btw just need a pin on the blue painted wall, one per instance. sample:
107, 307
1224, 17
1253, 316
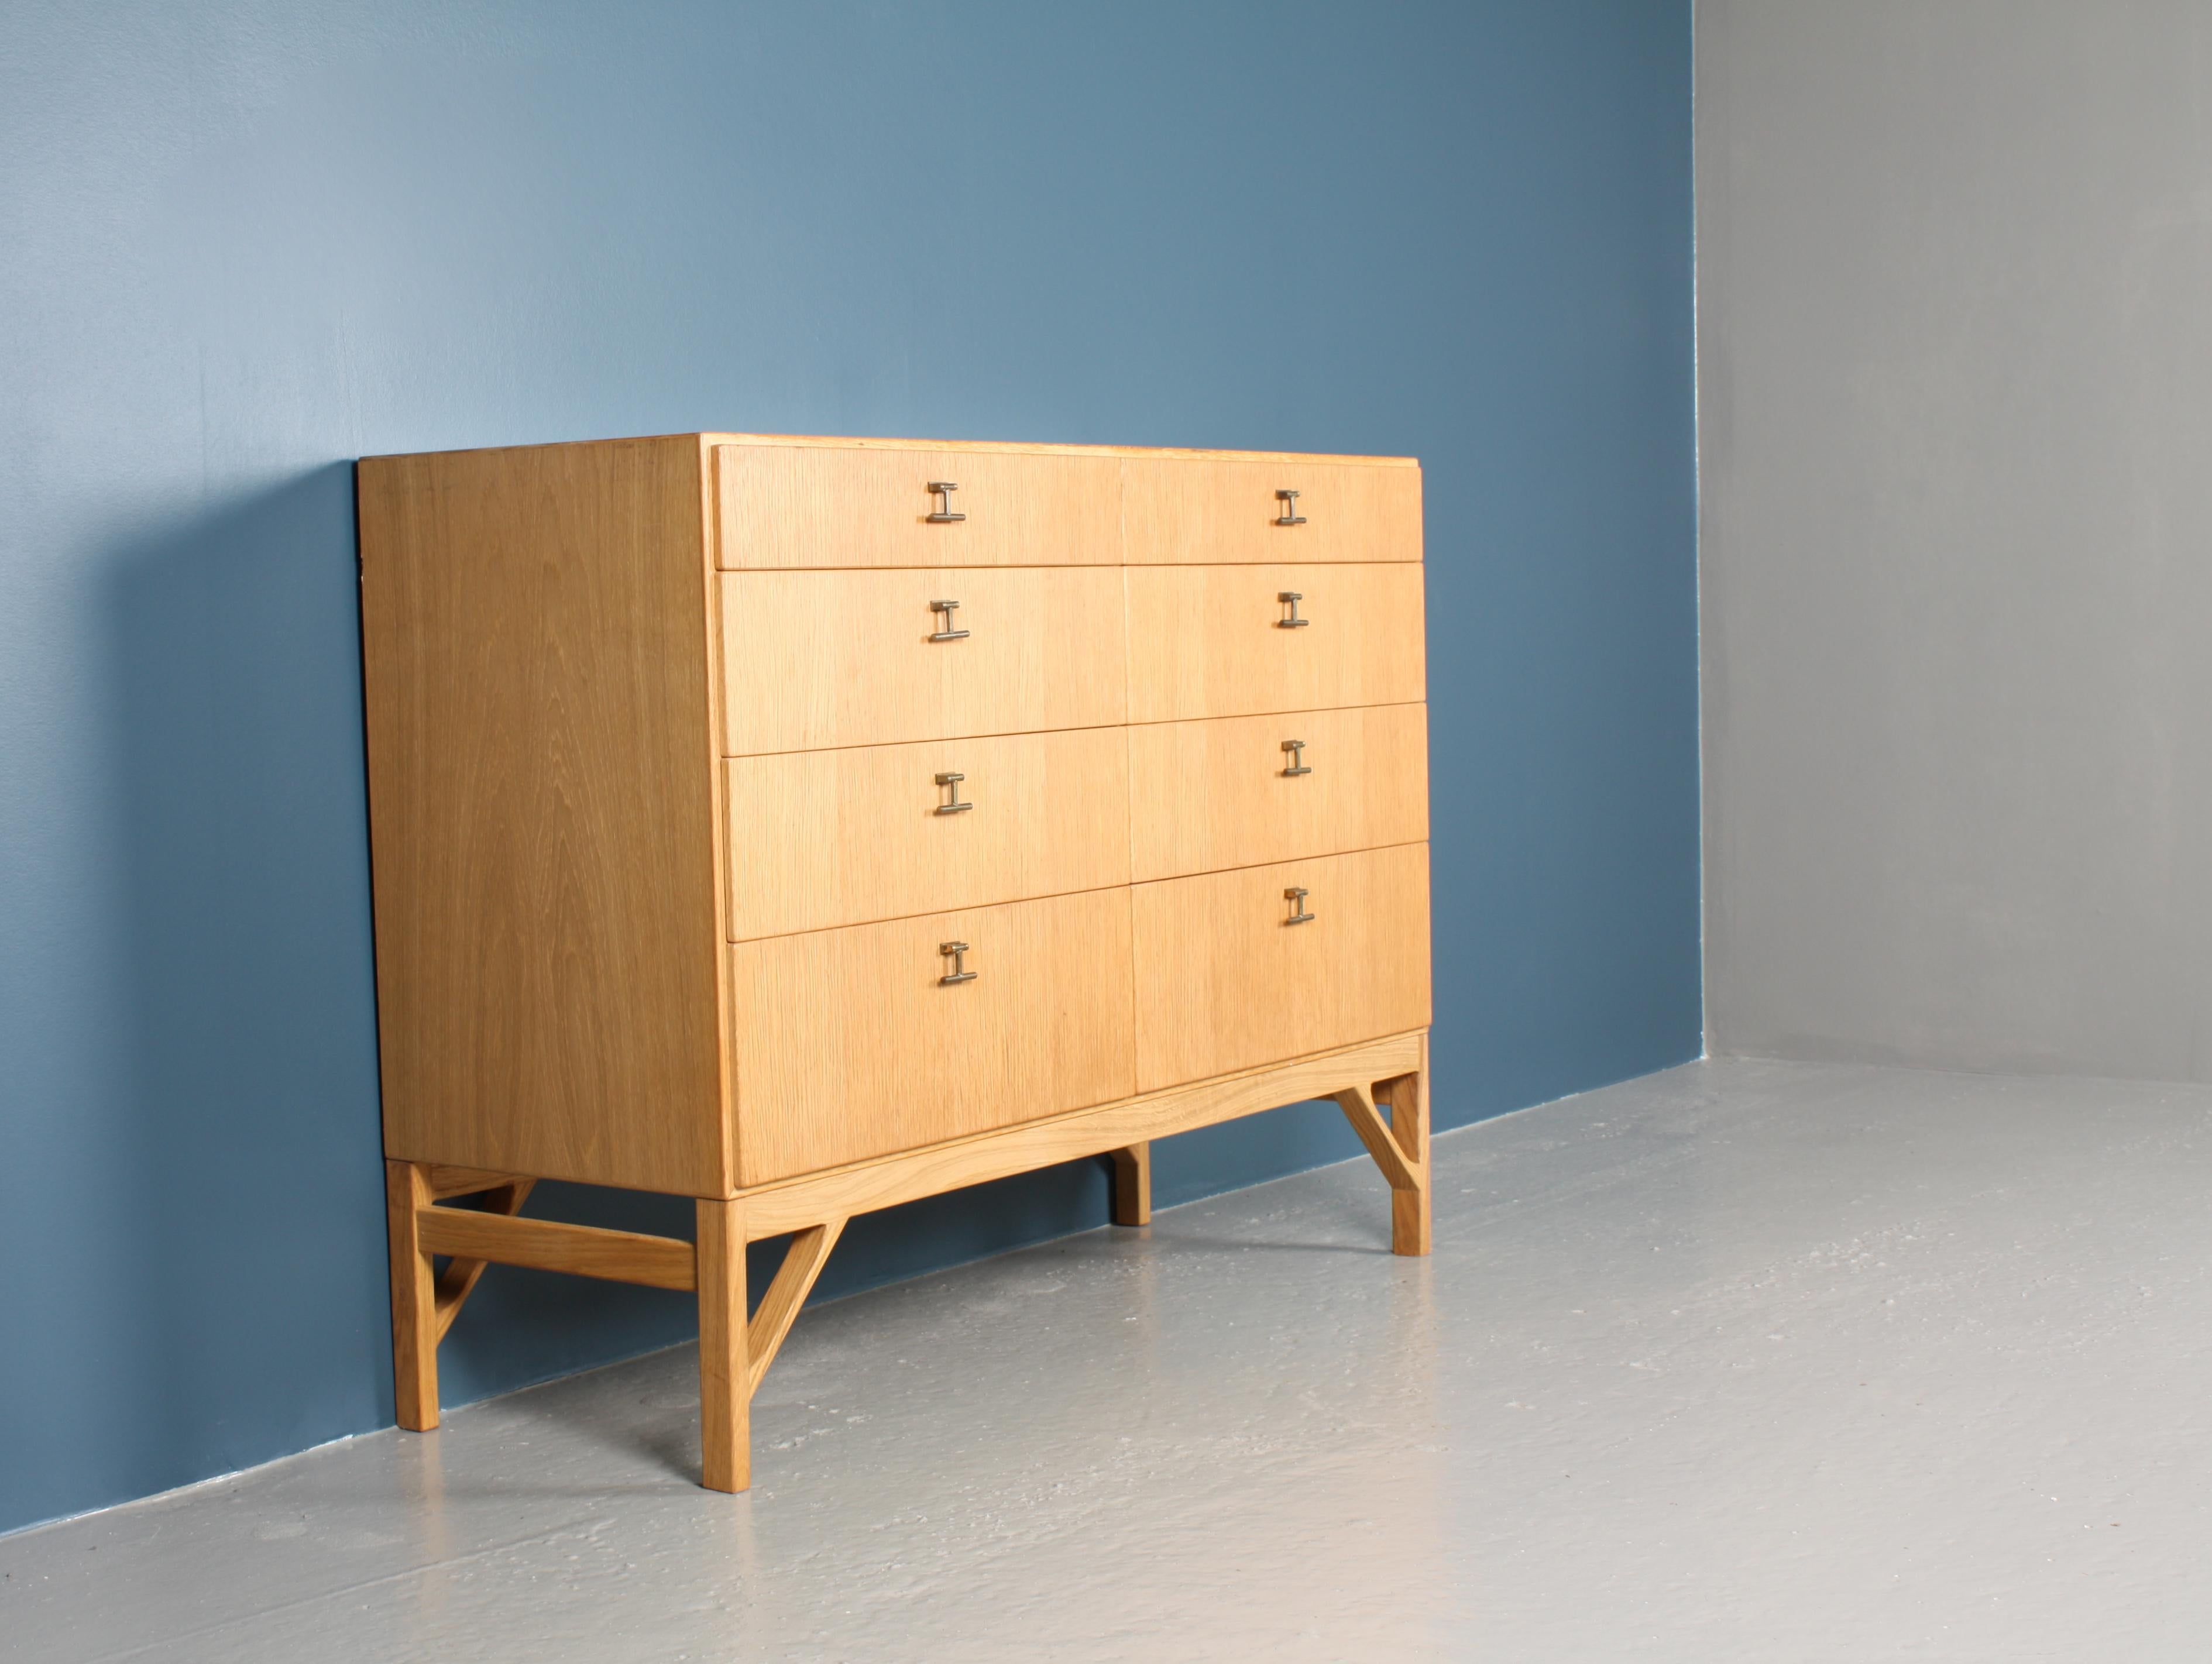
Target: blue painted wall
241, 244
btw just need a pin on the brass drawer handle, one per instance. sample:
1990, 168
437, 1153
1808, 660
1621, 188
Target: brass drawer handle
944, 513
1296, 896
1290, 516
1291, 597
1296, 765
953, 805
957, 953
948, 634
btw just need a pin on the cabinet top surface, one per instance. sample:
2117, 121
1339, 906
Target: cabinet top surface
1003, 447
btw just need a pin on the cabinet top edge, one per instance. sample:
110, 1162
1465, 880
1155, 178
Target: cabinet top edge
855, 442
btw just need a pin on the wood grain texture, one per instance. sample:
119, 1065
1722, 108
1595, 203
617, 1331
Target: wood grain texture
1180, 511
1204, 641
788, 506
1358, 1103
1406, 1097
1224, 983
465, 1181
863, 1188
802, 1263
1212, 795
710, 595
617, 1256
414, 1297
726, 1446
849, 1046
543, 811
819, 839
817, 659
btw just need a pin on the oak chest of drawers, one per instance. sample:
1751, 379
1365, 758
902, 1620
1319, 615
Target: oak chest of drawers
807, 825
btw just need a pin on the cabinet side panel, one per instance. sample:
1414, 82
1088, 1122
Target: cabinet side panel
542, 812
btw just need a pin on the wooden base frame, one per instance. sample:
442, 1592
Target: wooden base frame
1380, 1085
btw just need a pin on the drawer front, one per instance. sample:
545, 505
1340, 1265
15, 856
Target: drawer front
1208, 512
1243, 791
819, 839
1224, 982
825, 506
848, 1044
817, 659
1218, 640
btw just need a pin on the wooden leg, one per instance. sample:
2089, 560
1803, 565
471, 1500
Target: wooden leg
802, 1263
724, 1377
414, 1297
1408, 1098
1132, 1185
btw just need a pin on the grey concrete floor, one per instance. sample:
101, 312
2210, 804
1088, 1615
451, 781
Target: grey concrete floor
1743, 1361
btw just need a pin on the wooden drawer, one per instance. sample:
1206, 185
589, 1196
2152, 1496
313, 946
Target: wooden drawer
819, 839
846, 1044
1197, 513
1224, 982
1212, 641
817, 659
1212, 795
834, 506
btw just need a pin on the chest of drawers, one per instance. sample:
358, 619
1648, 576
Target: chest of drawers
807, 825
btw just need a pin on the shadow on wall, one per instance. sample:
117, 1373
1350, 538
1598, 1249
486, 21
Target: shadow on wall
249, 1161
252, 1174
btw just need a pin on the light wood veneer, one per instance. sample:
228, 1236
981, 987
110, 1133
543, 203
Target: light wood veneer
1210, 640
849, 1045
795, 505
1224, 982
824, 838
1206, 514
828, 659
542, 812
1366, 786
673, 889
